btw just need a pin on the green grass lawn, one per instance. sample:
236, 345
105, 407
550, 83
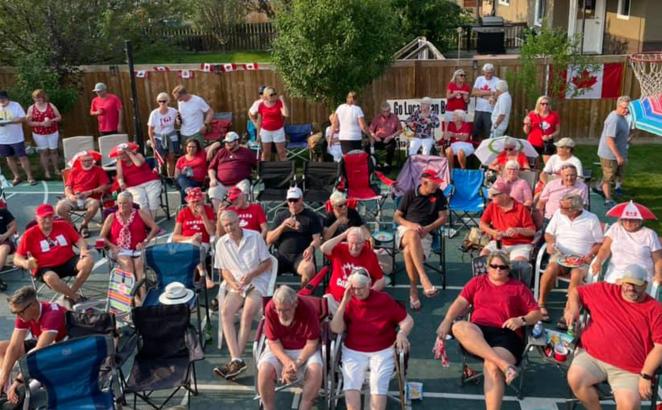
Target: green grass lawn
643, 179
180, 57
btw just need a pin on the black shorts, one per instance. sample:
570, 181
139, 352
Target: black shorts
548, 148
506, 338
288, 263
65, 270
29, 344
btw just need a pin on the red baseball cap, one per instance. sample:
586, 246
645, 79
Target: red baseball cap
432, 175
44, 210
234, 193
194, 194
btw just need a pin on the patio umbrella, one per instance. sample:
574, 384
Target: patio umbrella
631, 210
115, 152
75, 161
489, 148
647, 114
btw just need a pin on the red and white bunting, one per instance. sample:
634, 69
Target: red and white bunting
141, 74
250, 66
208, 67
186, 74
227, 67
161, 68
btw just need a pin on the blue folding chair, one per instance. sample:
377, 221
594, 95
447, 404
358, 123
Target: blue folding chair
176, 262
297, 144
251, 133
69, 372
467, 199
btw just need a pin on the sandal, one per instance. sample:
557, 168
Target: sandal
510, 374
432, 292
32, 181
545, 314
16, 181
414, 304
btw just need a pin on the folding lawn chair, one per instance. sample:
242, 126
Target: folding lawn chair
275, 178
410, 174
176, 262
251, 134
220, 125
357, 171
73, 145
297, 140
164, 202
69, 373
167, 351
106, 144
319, 181
467, 199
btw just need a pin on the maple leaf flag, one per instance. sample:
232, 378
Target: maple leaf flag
207, 67
250, 66
227, 67
186, 74
597, 81
141, 74
161, 68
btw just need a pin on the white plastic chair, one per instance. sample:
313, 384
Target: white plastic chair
73, 145
107, 143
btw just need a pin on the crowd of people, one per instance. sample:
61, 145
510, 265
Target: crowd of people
216, 214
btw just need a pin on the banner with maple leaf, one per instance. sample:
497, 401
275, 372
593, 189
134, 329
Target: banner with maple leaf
596, 81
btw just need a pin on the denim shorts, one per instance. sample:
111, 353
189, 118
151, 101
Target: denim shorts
12, 150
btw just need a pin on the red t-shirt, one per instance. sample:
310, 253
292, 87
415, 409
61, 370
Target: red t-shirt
52, 250
522, 160
250, 217
52, 318
272, 118
193, 224
516, 217
138, 230
493, 305
371, 323
619, 332
110, 117
541, 126
81, 180
342, 264
304, 327
134, 176
457, 103
198, 164
233, 167
465, 128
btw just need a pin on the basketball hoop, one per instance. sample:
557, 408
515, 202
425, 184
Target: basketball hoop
647, 68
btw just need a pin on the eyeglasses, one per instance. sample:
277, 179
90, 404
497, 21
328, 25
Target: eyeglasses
163, 102
509, 149
341, 206
20, 312
498, 267
273, 95
292, 200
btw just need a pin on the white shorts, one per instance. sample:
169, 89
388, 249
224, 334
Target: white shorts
514, 251
219, 191
458, 146
49, 141
270, 358
416, 143
147, 194
426, 241
355, 364
336, 151
277, 136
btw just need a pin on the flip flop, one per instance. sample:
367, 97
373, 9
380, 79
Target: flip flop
545, 315
432, 292
32, 181
415, 304
510, 374
16, 181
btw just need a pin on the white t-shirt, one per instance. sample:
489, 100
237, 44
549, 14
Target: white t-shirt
255, 106
193, 114
348, 119
239, 260
163, 124
630, 247
11, 133
554, 164
482, 104
502, 107
577, 236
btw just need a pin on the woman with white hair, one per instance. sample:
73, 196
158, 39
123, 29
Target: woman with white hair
511, 151
458, 133
423, 122
502, 108
457, 94
374, 325
162, 133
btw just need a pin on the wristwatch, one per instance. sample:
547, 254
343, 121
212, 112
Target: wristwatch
523, 319
646, 376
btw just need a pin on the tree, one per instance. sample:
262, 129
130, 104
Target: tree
434, 19
325, 48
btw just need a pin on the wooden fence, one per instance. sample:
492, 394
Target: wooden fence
237, 37
235, 91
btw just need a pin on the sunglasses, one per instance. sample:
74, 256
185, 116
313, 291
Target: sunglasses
292, 200
498, 267
20, 312
544, 103
460, 75
163, 102
273, 95
509, 149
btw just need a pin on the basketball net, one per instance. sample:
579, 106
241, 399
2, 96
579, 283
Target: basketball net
647, 68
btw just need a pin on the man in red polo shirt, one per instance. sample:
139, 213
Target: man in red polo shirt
347, 251
232, 165
292, 330
107, 108
509, 223
85, 185
43, 320
251, 216
46, 249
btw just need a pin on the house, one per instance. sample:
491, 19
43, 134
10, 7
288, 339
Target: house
608, 26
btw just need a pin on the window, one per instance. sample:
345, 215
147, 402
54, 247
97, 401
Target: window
623, 11
504, 2
539, 12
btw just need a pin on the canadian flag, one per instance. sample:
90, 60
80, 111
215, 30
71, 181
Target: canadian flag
597, 81
161, 68
250, 66
186, 74
142, 74
208, 67
227, 67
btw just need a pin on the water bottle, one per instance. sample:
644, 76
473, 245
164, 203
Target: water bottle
537, 330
